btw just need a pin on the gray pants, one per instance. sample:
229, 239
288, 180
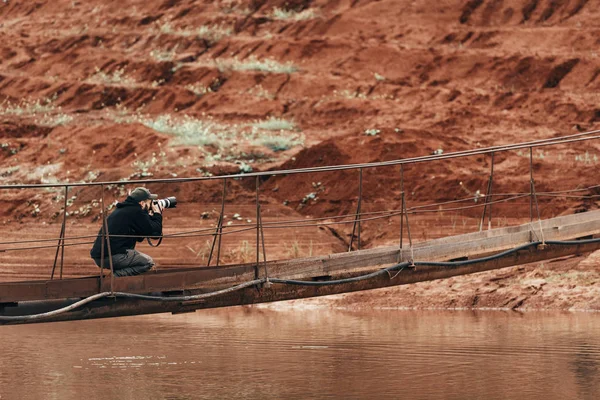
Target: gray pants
131, 263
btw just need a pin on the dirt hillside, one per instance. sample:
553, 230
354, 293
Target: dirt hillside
95, 91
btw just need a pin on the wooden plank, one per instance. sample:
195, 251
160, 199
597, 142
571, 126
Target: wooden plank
556, 222
560, 228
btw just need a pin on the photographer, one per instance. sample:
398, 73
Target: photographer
139, 217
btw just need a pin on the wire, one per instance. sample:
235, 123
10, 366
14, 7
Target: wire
304, 222
584, 136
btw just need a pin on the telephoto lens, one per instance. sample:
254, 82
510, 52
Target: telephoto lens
169, 202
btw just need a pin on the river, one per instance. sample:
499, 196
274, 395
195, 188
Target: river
264, 353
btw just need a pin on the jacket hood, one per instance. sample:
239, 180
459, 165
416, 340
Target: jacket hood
128, 202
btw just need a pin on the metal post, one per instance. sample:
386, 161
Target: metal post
530, 184
107, 239
488, 199
61, 240
102, 235
405, 212
219, 229
531, 192
401, 211
62, 251
262, 235
357, 215
533, 198
257, 230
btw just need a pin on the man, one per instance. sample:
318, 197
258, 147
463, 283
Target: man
136, 217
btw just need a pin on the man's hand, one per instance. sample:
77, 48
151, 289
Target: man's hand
156, 209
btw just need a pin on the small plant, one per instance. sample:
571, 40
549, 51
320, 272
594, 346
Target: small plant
45, 173
254, 64
213, 33
349, 94
295, 250
243, 253
92, 176
210, 33
218, 141
203, 251
8, 148
36, 210
6, 172
117, 77
261, 92
245, 168
282, 14
164, 55
476, 195
28, 107
585, 158
274, 124
198, 89
310, 196
232, 7
55, 120
279, 143
188, 130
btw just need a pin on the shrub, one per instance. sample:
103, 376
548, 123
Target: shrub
27, 107
117, 77
282, 14
188, 131
211, 33
274, 124
254, 64
164, 55
279, 143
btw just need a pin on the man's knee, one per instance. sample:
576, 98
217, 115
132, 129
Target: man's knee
141, 259
149, 260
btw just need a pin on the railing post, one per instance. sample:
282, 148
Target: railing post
64, 230
262, 235
488, 199
102, 245
61, 240
106, 238
219, 230
404, 215
532, 200
401, 211
257, 230
530, 184
357, 216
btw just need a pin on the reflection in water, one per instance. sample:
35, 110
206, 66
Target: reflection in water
254, 353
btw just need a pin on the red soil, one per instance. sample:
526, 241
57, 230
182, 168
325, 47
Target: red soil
450, 75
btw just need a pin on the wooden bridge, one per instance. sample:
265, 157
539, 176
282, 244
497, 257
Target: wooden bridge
188, 289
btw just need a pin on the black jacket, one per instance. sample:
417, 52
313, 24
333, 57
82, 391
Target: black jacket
127, 219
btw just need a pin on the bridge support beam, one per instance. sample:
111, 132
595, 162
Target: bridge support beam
114, 307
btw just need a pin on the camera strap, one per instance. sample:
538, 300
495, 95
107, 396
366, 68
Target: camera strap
157, 244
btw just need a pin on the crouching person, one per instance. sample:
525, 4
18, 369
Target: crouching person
133, 219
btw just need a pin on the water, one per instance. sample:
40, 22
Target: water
254, 353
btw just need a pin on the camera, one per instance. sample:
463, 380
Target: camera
169, 202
